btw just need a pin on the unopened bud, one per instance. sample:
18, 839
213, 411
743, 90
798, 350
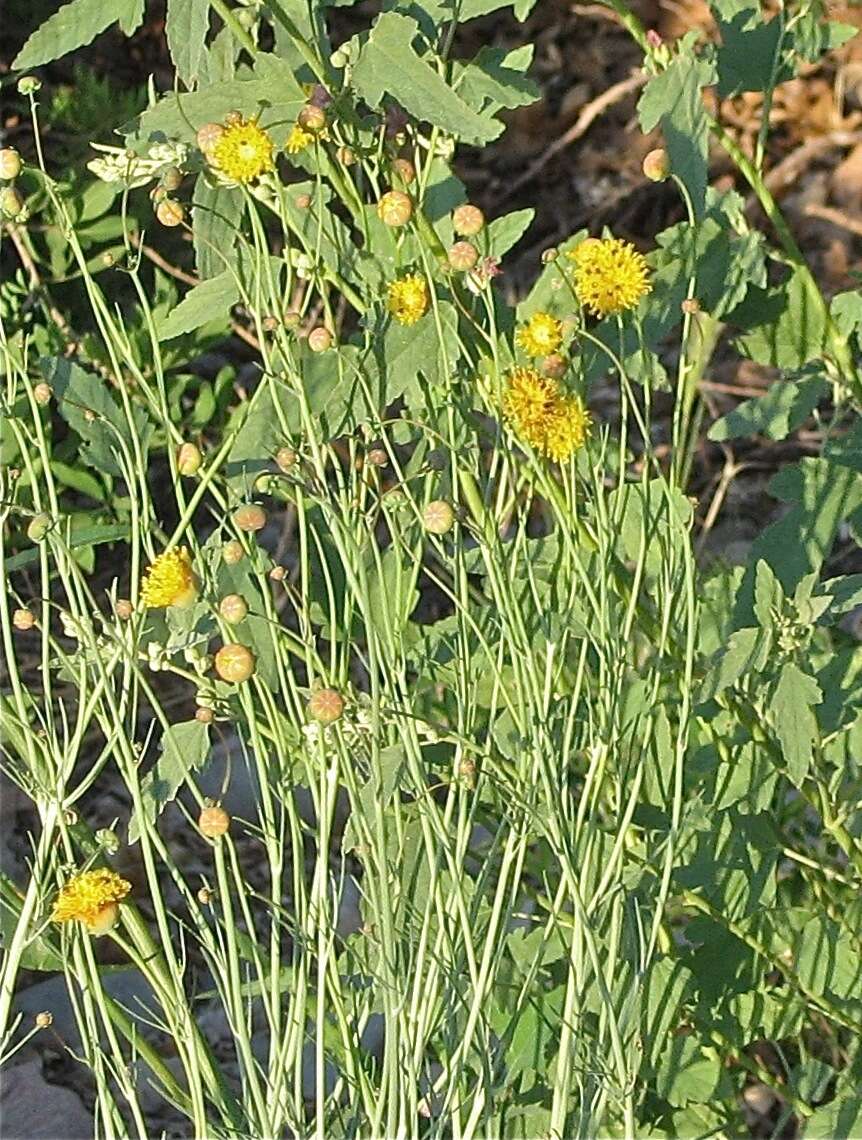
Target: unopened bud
234, 663
286, 459
395, 208
39, 526
44, 1019
108, 840
278, 574
11, 202
189, 459
205, 896
405, 170
172, 178
319, 339
467, 220
208, 135
29, 85
204, 715
23, 620
312, 118
214, 822
249, 518
233, 608
438, 517
42, 394
232, 552
690, 305
270, 323
123, 608
656, 165
170, 212
554, 365
10, 163
377, 457
233, 119
346, 155
326, 706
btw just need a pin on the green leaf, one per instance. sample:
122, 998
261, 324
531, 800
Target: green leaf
496, 79
217, 213
784, 406
186, 28
86, 404
673, 100
388, 64
793, 720
185, 747
747, 57
687, 1072
504, 232
75, 25
203, 303
786, 329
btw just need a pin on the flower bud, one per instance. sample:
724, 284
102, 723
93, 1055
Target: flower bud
656, 165
278, 574
326, 706
395, 208
404, 169
249, 518
554, 366
234, 663
346, 155
29, 85
108, 840
170, 212
270, 323
205, 896
550, 254
123, 608
204, 715
213, 822
42, 394
438, 517
105, 920
189, 459
10, 163
312, 118
44, 1019
208, 135
302, 201
339, 58
232, 552
286, 459
690, 305
233, 119
319, 339
463, 256
467, 220
39, 526
377, 457
11, 202
23, 620
233, 608
172, 178
291, 319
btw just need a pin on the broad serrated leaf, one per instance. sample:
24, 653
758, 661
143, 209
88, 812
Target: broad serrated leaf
506, 231
496, 79
389, 65
184, 749
786, 326
747, 58
211, 299
75, 25
673, 99
791, 713
783, 407
747, 650
86, 404
186, 27
216, 216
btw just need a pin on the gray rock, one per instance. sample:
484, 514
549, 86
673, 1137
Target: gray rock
33, 1109
127, 987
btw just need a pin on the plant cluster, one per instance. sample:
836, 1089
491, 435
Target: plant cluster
597, 802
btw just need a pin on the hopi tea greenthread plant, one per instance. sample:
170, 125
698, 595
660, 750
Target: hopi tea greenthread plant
404, 619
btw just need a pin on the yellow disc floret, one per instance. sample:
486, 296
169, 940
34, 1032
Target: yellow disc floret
544, 414
610, 275
242, 152
91, 897
540, 336
170, 580
407, 299
298, 139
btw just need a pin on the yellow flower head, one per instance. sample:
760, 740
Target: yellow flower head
170, 580
298, 139
543, 414
91, 897
242, 152
540, 336
610, 275
407, 299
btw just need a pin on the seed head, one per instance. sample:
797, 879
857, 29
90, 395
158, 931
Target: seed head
172, 178
312, 118
10, 163
44, 1019
234, 663
346, 155
170, 212
404, 170
207, 137
232, 552
23, 620
467, 220
189, 459
395, 208
233, 608
42, 394
554, 366
249, 518
270, 323
286, 459
213, 822
319, 339
302, 201
438, 517
277, 574
123, 608
463, 256
656, 165
204, 715
326, 706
